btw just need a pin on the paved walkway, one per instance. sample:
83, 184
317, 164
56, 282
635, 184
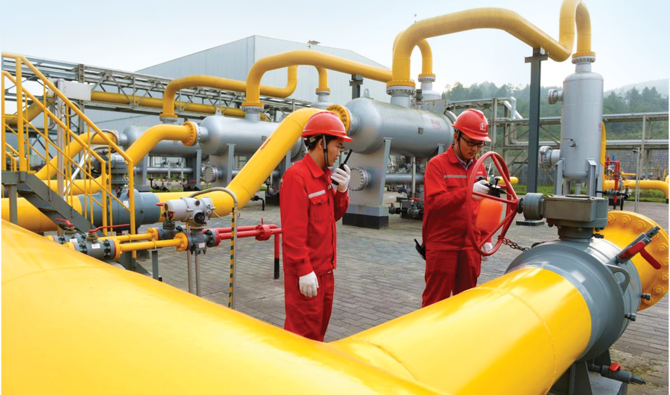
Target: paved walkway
380, 277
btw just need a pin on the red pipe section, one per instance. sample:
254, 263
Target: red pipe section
261, 232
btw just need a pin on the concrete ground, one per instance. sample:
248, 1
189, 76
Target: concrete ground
380, 277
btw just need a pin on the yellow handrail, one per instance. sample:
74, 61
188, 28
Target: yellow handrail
72, 145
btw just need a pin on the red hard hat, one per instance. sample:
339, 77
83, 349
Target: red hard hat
473, 124
326, 123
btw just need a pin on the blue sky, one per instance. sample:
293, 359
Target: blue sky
630, 40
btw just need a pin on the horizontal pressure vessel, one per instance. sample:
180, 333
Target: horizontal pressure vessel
413, 132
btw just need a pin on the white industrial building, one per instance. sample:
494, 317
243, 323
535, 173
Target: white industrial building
234, 60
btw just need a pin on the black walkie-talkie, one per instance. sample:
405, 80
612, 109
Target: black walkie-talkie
343, 163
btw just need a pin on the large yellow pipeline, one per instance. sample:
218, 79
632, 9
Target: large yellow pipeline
244, 185
224, 84
573, 12
108, 97
73, 148
302, 57
644, 184
426, 56
513, 335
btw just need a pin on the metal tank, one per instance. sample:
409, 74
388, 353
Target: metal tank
414, 133
581, 126
247, 136
224, 138
378, 130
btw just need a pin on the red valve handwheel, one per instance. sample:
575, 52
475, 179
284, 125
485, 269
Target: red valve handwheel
512, 202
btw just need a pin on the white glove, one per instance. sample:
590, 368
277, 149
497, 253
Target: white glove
308, 285
486, 248
480, 187
342, 176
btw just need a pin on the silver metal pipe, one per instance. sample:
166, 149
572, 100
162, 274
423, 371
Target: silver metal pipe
403, 178
413, 189
189, 267
164, 170
197, 274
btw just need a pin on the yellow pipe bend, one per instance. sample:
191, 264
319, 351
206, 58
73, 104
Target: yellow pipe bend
307, 58
573, 12
31, 112
426, 56
73, 148
224, 84
469, 344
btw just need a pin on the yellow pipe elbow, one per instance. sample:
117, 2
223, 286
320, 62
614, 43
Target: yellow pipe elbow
31, 112
224, 84
573, 12
307, 58
186, 133
73, 148
426, 56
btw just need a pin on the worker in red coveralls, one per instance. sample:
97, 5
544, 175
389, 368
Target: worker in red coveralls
310, 205
452, 264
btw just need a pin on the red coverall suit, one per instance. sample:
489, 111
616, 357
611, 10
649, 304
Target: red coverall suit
310, 207
451, 262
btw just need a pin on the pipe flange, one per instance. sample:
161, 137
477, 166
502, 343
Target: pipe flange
584, 57
401, 89
427, 78
193, 134
114, 133
363, 179
343, 113
211, 173
252, 107
169, 119
622, 228
183, 245
554, 96
323, 92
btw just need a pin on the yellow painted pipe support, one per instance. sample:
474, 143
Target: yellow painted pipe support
623, 227
77, 318
573, 12
224, 84
308, 58
644, 184
72, 149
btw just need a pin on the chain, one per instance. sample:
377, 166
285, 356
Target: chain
513, 245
